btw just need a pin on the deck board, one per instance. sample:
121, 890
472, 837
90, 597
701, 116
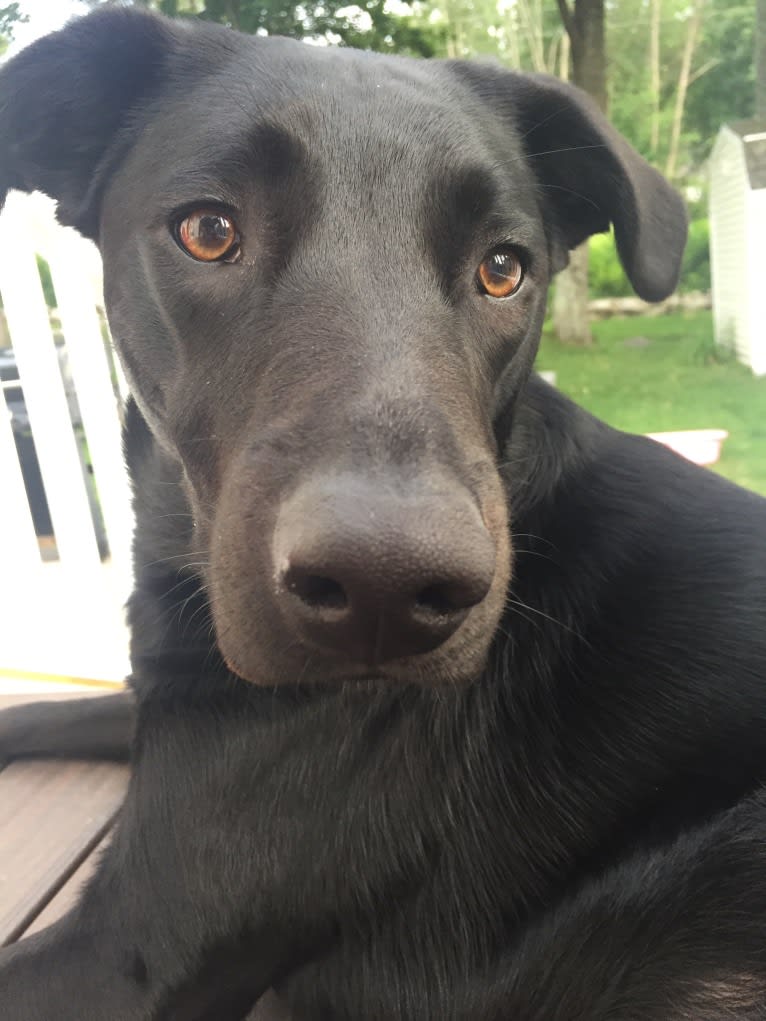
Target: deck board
69, 892
51, 817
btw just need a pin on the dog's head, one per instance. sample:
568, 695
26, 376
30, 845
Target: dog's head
326, 275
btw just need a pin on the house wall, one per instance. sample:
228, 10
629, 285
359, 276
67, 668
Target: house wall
729, 260
756, 275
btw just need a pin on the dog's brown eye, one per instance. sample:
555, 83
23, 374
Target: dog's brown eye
208, 235
500, 273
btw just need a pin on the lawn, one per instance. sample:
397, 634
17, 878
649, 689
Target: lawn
675, 381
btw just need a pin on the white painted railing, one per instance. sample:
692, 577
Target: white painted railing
61, 612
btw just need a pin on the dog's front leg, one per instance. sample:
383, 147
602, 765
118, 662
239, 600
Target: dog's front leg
182, 920
98, 727
74, 971
135, 948
60, 973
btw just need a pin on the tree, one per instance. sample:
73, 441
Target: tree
717, 85
10, 16
760, 59
368, 24
693, 25
655, 72
725, 91
584, 25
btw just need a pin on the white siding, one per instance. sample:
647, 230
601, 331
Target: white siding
756, 276
728, 246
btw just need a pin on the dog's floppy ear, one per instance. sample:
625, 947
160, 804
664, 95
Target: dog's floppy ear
589, 175
65, 99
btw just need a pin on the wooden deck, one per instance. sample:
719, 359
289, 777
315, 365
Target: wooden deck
53, 818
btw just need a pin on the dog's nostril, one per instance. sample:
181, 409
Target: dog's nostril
434, 599
445, 598
317, 591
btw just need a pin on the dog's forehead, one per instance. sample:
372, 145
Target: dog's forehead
342, 87
330, 138
366, 112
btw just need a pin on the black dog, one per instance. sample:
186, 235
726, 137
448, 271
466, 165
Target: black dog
480, 732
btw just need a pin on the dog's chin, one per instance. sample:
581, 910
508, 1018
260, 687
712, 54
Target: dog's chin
359, 678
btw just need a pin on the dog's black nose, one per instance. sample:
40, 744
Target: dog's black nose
375, 571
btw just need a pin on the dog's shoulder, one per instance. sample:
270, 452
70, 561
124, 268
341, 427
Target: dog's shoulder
558, 453
634, 542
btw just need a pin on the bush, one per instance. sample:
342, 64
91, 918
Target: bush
46, 280
695, 272
607, 278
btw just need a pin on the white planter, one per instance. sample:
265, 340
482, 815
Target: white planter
702, 446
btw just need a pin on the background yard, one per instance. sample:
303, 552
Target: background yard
677, 380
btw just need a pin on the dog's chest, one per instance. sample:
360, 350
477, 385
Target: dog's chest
431, 856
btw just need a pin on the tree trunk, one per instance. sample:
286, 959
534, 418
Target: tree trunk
513, 33
589, 48
571, 320
584, 24
533, 31
236, 14
564, 59
454, 45
760, 59
654, 73
690, 43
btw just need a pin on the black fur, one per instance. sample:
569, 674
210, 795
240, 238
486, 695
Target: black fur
560, 818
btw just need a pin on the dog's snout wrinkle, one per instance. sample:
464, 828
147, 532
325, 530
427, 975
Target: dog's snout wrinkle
373, 575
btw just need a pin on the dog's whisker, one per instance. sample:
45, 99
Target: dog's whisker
519, 604
553, 152
558, 112
534, 537
175, 556
535, 553
203, 609
570, 191
518, 610
194, 566
182, 583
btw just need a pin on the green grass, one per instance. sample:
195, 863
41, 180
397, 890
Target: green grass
679, 381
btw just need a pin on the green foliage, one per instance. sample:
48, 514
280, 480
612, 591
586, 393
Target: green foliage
529, 36
726, 91
695, 273
607, 279
369, 24
47, 281
10, 15
721, 86
678, 381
